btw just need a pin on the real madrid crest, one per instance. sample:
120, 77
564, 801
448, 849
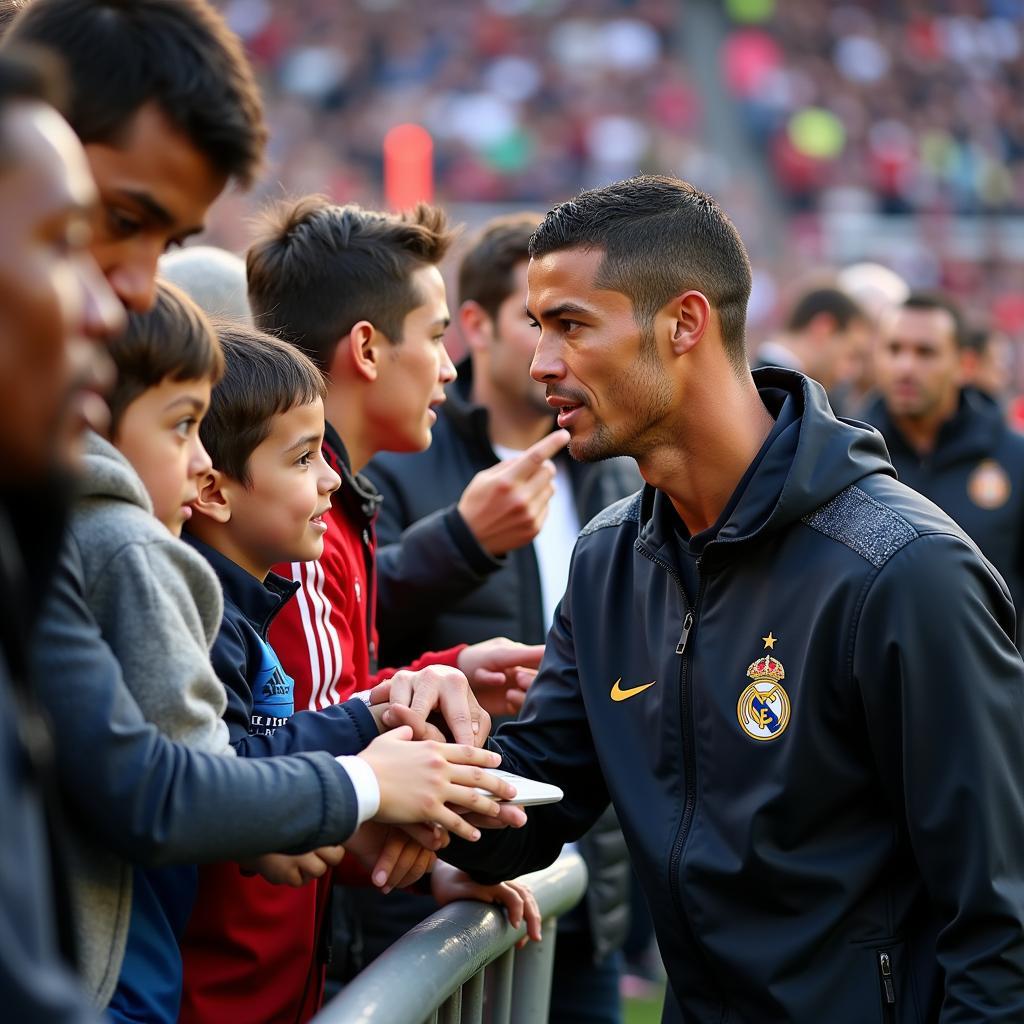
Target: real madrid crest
763, 707
989, 486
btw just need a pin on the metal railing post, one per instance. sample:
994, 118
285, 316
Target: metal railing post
417, 976
531, 988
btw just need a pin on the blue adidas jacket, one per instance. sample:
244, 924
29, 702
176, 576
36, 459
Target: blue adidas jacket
817, 758
261, 715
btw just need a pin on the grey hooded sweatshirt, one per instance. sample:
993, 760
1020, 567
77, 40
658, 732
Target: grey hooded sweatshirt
158, 605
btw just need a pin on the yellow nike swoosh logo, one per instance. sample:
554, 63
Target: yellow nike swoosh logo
618, 693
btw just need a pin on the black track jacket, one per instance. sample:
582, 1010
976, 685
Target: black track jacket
818, 765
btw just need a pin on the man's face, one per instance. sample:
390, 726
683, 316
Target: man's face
56, 312
159, 435
917, 363
155, 188
413, 372
279, 515
512, 349
602, 372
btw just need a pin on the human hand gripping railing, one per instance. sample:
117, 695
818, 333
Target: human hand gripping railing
448, 967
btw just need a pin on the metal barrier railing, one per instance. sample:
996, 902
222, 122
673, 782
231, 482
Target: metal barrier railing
460, 966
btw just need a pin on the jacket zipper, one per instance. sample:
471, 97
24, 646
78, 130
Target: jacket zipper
888, 989
690, 757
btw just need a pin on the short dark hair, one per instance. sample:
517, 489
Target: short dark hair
317, 269
977, 338
28, 73
172, 340
831, 301
180, 54
485, 273
660, 236
263, 377
927, 301
9, 10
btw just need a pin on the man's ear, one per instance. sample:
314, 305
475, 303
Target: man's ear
214, 499
691, 318
359, 353
476, 325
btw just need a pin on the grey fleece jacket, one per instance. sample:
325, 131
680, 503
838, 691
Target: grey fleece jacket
158, 605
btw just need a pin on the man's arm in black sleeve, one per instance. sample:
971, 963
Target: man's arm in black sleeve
550, 741
943, 687
422, 567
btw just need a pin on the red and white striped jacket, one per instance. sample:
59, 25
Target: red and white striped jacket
327, 637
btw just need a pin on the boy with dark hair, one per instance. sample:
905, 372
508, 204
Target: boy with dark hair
251, 952
361, 292
158, 605
169, 112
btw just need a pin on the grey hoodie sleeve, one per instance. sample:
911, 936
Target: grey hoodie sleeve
147, 798
149, 617
943, 691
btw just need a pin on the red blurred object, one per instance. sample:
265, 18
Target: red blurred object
748, 56
408, 166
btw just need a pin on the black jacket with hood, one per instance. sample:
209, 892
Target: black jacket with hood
817, 757
975, 475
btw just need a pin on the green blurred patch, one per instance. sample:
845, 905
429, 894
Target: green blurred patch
643, 1011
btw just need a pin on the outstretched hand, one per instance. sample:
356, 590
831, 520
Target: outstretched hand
449, 884
500, 672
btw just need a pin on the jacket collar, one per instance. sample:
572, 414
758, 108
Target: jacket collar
470, 420
969, 434
808, 458
357, 495
258, 602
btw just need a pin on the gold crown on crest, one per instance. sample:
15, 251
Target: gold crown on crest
766, 667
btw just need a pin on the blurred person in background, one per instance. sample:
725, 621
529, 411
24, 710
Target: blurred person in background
947, 441
213, 278
826, 337
55, 309
986, 362
500, 578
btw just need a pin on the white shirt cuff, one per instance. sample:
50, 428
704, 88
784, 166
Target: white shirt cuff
365, 784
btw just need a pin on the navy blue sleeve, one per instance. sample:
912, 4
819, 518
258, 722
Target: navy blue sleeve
147, 798
340, 729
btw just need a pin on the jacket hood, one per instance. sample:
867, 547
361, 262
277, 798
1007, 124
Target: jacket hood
809, 457
106, 473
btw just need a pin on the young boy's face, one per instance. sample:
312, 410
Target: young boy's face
278, 517
159, 435
413, 372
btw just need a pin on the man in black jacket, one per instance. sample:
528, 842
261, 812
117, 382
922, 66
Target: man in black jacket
950, 443
793, 676
443, 578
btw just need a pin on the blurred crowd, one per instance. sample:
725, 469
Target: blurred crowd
899, 108
525, 99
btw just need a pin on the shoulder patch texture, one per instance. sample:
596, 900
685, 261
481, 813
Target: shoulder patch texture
864, 525
626, 510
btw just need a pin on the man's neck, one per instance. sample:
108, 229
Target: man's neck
345, 415
510, 423
701, 463
922, 432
